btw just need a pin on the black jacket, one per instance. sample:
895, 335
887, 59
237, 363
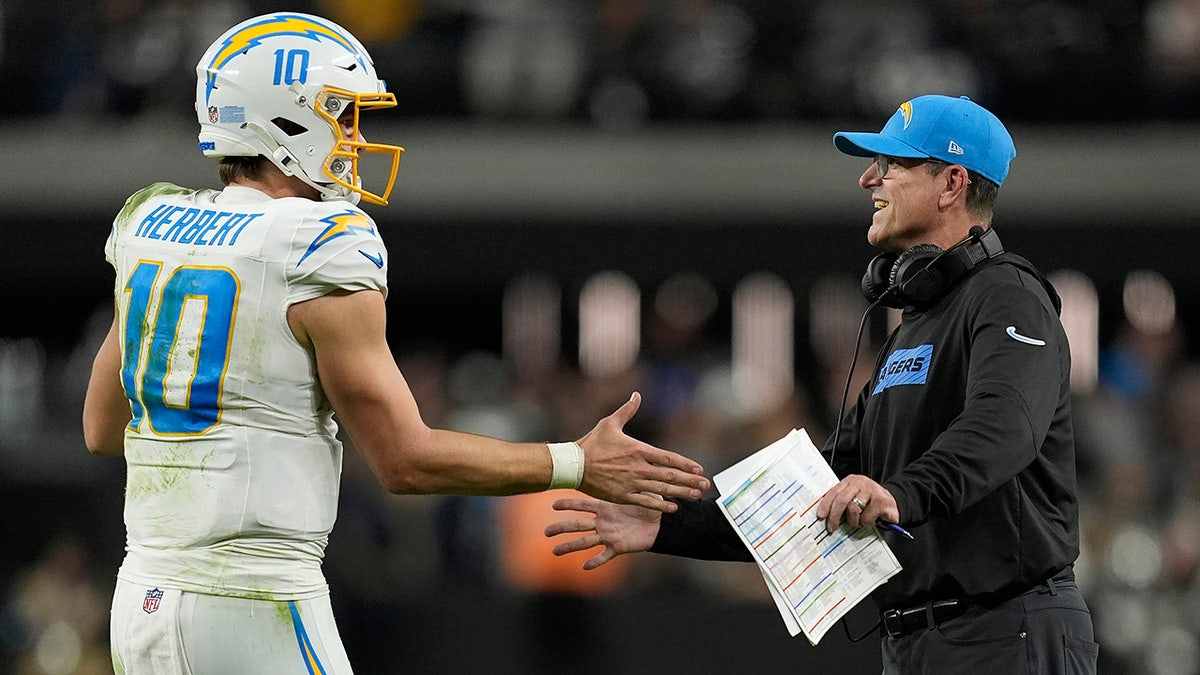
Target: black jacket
967, 422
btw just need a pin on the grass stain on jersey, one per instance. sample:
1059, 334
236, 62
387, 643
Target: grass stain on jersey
163, 477
153, 481
207, 456
145, 194
278, 607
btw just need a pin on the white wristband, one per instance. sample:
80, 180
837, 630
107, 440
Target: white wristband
566, 460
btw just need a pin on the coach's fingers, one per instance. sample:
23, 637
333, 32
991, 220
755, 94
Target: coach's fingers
580, 544
577, 504
605, 555
566, 526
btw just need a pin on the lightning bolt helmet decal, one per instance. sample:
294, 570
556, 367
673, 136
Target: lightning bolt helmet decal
275, 25
291, 87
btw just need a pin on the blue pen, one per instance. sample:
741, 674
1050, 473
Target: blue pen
894, 528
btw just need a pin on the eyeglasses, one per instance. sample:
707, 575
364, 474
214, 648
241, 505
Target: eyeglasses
881, 164
884, 162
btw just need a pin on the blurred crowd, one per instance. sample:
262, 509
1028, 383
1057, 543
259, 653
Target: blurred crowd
620, 63
1137, 426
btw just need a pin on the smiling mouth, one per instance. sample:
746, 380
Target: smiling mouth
880, 203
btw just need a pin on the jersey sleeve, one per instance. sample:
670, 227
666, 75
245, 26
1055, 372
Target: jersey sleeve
110, 246
336, 247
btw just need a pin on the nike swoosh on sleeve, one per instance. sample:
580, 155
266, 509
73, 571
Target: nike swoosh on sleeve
377, 258
1012, 333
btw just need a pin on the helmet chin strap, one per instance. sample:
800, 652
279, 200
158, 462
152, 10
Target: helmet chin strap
350, 196
282, 158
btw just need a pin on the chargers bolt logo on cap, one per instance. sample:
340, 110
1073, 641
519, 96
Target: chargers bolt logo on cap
951, 129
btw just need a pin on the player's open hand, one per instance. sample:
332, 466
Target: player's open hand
618, 528
619, 468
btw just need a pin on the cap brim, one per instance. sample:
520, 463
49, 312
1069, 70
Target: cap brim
867, 144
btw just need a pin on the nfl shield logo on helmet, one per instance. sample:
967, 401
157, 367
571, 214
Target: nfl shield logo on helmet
212, 113
150, 604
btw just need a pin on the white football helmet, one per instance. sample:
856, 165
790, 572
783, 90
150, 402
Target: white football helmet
276, 85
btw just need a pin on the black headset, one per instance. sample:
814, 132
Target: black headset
921, 274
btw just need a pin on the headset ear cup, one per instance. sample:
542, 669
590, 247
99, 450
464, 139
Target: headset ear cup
875, 280
917, 287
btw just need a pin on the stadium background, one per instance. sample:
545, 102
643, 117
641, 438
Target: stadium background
673, 157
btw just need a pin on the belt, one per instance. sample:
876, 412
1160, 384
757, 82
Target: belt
900, 622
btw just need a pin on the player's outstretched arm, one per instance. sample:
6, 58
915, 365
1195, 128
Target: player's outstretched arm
619, 468
372, 401
619, 529
106, 411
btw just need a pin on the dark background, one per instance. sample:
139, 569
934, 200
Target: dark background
571, 138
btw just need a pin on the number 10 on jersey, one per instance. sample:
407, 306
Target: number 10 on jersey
174, 363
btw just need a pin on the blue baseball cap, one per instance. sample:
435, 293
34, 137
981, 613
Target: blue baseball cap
953, 130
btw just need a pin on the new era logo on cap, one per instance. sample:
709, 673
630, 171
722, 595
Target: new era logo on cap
954, 130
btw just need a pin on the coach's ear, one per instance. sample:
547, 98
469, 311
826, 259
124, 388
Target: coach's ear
956, 180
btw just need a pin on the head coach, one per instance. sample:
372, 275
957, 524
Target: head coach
960, 442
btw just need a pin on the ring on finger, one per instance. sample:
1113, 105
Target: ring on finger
859, 503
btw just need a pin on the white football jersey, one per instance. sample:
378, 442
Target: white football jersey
233, 461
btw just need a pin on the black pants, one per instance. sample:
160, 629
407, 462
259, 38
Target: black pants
1045, 631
